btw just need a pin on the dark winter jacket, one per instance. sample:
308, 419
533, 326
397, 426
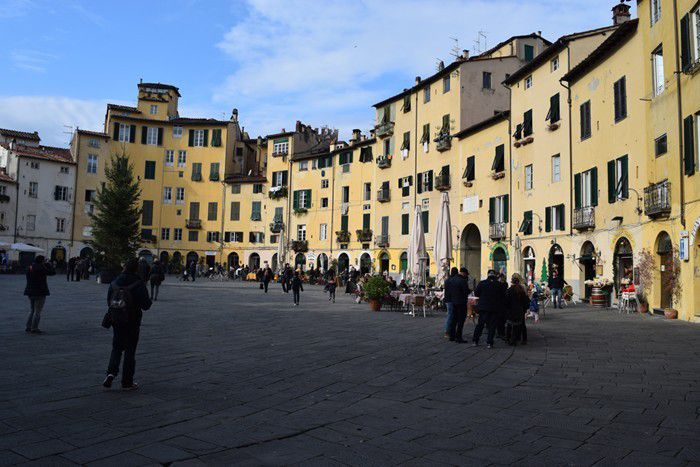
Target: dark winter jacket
516, 304
36, 280
139, 294
556, 282
157, 274
267, 275
491, 294
297, 285
456, 290
144, 270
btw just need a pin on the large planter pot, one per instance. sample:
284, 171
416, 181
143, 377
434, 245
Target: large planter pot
670, 313
375, 304
598, 299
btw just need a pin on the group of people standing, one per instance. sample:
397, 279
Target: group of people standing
78, 268
501, 308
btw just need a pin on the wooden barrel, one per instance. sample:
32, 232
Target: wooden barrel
597, 297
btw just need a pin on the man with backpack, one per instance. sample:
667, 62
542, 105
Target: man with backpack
127, 298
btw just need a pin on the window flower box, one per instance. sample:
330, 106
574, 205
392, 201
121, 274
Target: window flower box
364, 235
498, 175
553, 126
278, 192
300, 246
300, 211
342, 236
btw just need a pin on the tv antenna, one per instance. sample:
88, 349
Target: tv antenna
68, 130
480, 42
456, 52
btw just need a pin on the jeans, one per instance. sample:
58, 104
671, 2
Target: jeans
266, 283
449, 322
296, 296
36, 304
556, 298
126, 338
488, 319
154, 291
331, 293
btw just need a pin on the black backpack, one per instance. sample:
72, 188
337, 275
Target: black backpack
121, 303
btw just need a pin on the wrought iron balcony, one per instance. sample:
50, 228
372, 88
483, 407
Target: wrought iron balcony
193, 223
342, 236
497, 231
364, 235
383, 241
442, 182
584, 218
276, 226
300, 246
443, 143
657, 199
383, 162
384, 129
384, 195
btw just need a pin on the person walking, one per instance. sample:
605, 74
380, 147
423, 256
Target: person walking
456, 294
266, 276
501, 314
556, 284
517, 303
287, 276
332, 285
157, 278
131, 290
37, 289
192, 270
491, 297
296, 287
70, 274
144, 270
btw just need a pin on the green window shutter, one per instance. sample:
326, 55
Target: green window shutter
528, 220
445, 124
295, 204
506, 211
594, 186
625, 191
577, 191
686, 57
425, 215
547, 219
144, 134
190, 142
285, 176
308, 199
419, 188
160, 136
132, 133
688, 146
492, 210
527, 123
206, 138
561, 217
115, 134
430, 180
344, 223
365, 221
404, 224
554, 108
611, 182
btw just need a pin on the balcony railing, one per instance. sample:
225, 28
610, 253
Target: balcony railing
214, 177
384, 195
497, 231
442, 182
276, 226
657, 199
342, 236
278, 192
300, 246
364, 235
443, 143
584, 218
196, 177
384, 129
383, 241
193, 223
383, 162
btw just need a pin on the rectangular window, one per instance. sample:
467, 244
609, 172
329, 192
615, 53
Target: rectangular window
345, 195
324, 202
618, 179
179, 195
527, 123
193, 235
554, 64
366, 219
89, 195
92, 164
181, 158
169, 157
302, 199
367, 193
177, 234
125, 133
657, 64
344, 223
235, 210
216, 137
61, 193
147, 213
177, 132
554, 218
165, 233
425, 218
60, 224
529, 53
405, 184
194, 210
323, 232
149, 172
470, 170
586, 189
214, 171
212, 209
556, 168
303, 166
31, 222
324, 183
425, 182
498, 209
213, 237
154, 109
526, 226
553, 116
689, 145
257, 188
655, 6
405, 222
661, 145
197, 171
64, 170
499, 159
528, 177
256, 214
695, 20
426, 94
199, 138
280, 179
280, 147
151, 135
620, 92
167, 194
486, 80
33, 189
446, 84
93, 143
528, 82
406, 144
236, 188
585, 113
301, 232
406, 107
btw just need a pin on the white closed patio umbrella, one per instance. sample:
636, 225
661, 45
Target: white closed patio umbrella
4, 245
281, 252
417, 253
26, 248
442, 250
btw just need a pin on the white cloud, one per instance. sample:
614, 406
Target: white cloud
31, 60
53, 117
330, 61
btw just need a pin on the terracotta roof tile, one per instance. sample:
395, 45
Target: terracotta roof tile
49, 153
34, 136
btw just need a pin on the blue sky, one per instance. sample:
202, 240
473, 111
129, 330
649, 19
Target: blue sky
277, 61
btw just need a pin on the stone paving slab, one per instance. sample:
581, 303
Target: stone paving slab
231, 376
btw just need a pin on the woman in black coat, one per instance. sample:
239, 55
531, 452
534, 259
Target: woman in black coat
156, 278
517, 304
37, 290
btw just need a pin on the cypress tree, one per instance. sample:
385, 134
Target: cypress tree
117, 216
544, 278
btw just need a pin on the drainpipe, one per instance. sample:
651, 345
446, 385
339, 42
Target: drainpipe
510, 162
571, 146
19, 166
415, 158
332, 206
680, 113
223, 220
75, 191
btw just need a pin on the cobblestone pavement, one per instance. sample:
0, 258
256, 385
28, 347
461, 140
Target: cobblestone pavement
233, 377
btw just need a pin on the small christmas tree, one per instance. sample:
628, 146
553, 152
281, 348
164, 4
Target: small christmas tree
116, 220
544, 278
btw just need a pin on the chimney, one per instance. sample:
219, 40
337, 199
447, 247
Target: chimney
441, 65
284, 130
417, 79
234, 115
355, 135
13, 143
298, 126
465, 54
621, 14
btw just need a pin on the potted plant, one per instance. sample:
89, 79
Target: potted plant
645, 276
375, 290
517, 144
674, 287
